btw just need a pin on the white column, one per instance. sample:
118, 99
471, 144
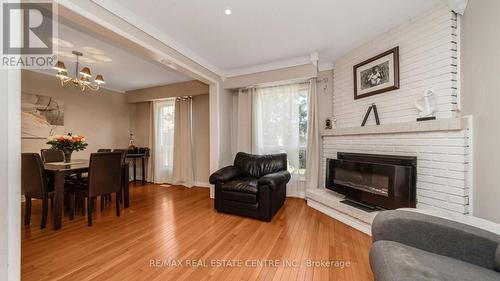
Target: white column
10, 174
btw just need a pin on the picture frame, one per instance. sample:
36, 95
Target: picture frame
377, 75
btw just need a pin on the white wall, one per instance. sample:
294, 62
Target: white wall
299, 72
189, 88
427, 60
324, 91
428, 50
103, 117
201, 139
481, 98
225, 111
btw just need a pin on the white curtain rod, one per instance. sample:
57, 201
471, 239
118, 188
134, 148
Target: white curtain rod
275, 84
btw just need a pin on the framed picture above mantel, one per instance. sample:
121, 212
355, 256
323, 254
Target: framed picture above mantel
377, 75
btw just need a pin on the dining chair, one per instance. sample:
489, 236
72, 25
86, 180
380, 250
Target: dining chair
52, 155
124, 172
104, 150
35, 184
105, 177
123, 153
107, 197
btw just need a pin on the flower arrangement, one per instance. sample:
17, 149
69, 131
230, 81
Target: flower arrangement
67, 143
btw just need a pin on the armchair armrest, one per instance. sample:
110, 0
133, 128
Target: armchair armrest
225, 174
275, 179
437, 235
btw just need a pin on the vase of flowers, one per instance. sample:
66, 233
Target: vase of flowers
67, 143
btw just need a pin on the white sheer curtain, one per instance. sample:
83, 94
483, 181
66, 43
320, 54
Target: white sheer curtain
183, 144
313, 138
280, 125
151, 142
242, 121
164, 120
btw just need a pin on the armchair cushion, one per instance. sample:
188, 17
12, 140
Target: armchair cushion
392, 261
275, 179
437, 235
257, 166
248, 185
240, 197
225, 174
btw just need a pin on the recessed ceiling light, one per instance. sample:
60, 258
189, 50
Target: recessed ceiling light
228, 11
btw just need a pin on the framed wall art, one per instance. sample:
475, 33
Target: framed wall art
377, 75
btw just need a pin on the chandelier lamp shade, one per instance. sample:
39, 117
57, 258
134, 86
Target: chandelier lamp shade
82, 76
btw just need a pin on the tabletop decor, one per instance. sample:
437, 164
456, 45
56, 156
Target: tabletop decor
67, 143
425, 105
375, 113
377, 75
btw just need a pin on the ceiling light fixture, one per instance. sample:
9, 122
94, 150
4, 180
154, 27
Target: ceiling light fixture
228, 11
81, 78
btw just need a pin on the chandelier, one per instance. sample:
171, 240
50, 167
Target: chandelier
81, 78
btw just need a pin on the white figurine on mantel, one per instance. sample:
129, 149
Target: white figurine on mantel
425, 106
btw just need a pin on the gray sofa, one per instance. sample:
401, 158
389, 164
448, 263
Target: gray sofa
410, 246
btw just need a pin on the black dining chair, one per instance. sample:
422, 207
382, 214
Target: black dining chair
125, 168
56, 155
123, 153
105, 177
52, 155
35, 184
104, 150
107, 197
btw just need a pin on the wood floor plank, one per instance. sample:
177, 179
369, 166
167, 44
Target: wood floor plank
178, 223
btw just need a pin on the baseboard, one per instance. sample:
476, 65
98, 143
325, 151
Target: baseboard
350, 221
201, 184
301, 195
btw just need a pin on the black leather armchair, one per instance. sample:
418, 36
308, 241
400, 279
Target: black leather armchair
255, 186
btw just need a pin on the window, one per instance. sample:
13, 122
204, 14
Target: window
164, 114
280, 123
167, 132
302, 130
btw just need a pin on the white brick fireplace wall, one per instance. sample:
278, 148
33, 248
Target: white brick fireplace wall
428, 59
443, 172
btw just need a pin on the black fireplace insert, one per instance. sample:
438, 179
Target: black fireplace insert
373, 181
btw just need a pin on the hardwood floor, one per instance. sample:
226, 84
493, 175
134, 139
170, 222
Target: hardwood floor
164, 224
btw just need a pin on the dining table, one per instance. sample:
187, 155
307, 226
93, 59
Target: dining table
59, 172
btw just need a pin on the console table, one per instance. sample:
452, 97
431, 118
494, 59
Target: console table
141, 153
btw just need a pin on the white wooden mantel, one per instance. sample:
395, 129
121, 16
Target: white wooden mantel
451, 124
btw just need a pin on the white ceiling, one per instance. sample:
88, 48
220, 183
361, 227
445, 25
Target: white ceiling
265, 31
124, 72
